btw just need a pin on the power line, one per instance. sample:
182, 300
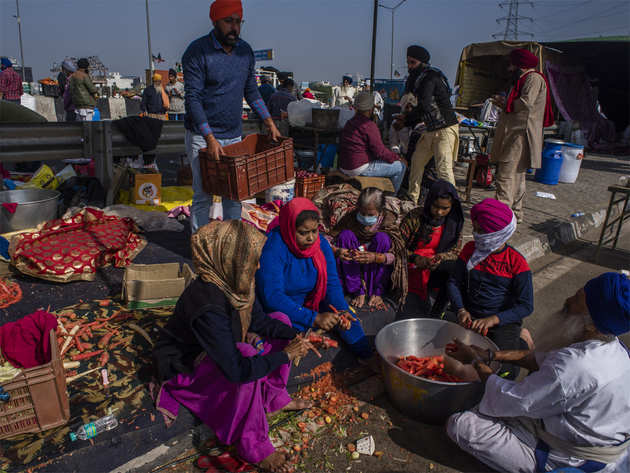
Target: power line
512, 20
605, 14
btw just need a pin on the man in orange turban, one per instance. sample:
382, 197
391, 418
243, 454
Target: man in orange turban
219, 71
225, 8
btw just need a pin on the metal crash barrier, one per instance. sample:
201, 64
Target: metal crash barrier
25, 142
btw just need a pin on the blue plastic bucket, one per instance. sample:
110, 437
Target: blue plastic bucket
551, 162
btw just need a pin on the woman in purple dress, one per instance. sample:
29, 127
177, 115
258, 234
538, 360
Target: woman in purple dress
369, 251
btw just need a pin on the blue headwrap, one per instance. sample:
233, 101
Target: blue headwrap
6, 62
348, 78
608, 301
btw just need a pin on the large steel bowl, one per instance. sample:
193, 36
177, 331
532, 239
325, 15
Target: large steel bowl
34, 207
421, 398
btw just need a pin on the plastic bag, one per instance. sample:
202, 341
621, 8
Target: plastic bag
66, 173
345, 114
44, 178
300, 112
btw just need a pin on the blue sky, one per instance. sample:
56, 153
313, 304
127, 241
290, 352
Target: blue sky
317, 39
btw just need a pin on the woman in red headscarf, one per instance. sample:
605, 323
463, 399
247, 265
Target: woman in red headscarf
298, 276
518, 139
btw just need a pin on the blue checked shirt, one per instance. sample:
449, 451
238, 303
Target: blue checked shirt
215, 83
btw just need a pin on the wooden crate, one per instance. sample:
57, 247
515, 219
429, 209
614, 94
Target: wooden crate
38, 398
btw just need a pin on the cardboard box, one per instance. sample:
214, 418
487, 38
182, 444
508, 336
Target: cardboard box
147, 188
155, 285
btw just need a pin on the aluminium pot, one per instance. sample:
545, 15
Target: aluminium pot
34, 207
421, 398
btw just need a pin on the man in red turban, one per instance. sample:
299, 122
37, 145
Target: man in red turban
224, 9
219, 72
523, 59
519, 134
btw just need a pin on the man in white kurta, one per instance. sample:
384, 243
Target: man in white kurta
344, 95
574, 407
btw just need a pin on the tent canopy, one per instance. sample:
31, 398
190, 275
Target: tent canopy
482, 69
606, 61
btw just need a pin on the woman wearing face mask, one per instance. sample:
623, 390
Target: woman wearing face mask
433, 237
367, 245
298, 276
491, 288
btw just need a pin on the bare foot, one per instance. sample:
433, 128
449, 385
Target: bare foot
298, 405
525, 335
276, 462
358, 301
376, 303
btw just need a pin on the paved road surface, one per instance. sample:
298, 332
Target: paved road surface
413, 447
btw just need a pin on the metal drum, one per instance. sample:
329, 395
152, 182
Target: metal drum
34, 207
420, 398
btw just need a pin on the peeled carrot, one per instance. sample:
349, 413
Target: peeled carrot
428, 367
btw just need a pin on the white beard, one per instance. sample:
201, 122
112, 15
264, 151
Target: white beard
561, 331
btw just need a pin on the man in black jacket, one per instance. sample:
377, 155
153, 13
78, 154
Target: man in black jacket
434, 108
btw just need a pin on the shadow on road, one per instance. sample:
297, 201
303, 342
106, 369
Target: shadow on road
429, 441
585, 251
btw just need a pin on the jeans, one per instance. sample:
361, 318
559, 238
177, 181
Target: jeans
201, 201
395, 171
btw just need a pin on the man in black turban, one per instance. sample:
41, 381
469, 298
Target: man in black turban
441, 139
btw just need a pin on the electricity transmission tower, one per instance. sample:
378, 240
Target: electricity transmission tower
512, 31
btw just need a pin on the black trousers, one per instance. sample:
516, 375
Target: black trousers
438, 279
507, 337
416, 307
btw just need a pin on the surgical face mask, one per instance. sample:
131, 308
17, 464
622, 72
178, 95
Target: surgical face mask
367, 220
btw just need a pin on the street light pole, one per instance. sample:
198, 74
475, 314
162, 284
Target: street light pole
391, 62
374, 25
393, 11
19, 22
151, 67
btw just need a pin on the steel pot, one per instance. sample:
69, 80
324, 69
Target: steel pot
34, 207
423, 399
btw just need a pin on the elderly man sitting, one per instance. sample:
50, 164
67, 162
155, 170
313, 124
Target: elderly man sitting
362, 152
574, 407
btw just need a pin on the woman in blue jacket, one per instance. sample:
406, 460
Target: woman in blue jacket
298, 276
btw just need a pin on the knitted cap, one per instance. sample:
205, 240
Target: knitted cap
364, 101
419, 53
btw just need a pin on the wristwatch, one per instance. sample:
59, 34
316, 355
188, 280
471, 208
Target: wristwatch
491, 355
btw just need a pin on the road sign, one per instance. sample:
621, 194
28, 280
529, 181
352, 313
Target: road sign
263, 55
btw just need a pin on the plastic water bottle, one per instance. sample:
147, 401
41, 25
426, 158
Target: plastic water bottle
92, 429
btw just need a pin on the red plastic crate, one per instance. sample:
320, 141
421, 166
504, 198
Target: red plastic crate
309, 186
249, 167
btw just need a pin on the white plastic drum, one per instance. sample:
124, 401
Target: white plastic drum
572, 155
